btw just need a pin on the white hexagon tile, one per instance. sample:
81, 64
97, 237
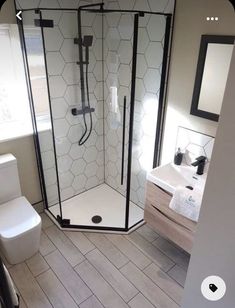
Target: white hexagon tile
194, 144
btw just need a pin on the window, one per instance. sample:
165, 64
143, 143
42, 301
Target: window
15, 116
34, 48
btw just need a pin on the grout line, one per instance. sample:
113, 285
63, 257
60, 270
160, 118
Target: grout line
176, 280
74, 243
127, 256
96, 247
90, 251
180, 252
38, 285
152, 282
160, 286
109, 282
75, 273
126, 236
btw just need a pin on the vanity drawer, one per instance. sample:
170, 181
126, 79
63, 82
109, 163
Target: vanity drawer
160, 200
157, 196
169, 228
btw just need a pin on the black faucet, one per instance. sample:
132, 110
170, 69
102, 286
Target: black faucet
200, 164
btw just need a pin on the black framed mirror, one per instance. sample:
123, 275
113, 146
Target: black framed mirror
211, 75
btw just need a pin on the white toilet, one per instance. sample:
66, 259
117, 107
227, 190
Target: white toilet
20, 224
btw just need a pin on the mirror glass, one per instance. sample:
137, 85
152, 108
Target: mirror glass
211, 76
214, 78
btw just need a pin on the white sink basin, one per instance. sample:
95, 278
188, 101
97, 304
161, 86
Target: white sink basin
169, 176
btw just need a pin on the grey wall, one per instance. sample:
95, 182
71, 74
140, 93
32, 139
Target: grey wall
7, 13
214, 249
190, 24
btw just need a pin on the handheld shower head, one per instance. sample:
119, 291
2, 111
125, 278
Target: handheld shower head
87, 40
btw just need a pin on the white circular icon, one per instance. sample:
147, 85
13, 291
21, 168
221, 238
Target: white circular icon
213, 288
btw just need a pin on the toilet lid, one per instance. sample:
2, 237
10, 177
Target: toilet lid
16, 217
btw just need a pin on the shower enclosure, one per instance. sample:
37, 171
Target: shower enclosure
96, 79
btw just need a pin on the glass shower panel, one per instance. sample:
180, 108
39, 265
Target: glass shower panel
117, 69
149, 62
92, 35
37, 75
64, 91
118, 52
80, 165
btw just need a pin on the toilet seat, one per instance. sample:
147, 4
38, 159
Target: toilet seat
17, 217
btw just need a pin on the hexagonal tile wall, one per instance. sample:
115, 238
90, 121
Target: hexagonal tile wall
71, 74
125, 27
68, 25
125, 52
57, 86
68, 51
194, 144
55, 63
53, 39
154, 53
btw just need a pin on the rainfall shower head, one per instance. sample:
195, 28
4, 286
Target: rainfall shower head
87, 40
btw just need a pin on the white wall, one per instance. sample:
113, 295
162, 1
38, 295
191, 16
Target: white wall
190, 24
214, 250
22, 148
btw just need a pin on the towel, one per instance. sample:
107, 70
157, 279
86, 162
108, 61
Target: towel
187, 202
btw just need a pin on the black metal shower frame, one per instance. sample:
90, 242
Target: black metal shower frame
65, 223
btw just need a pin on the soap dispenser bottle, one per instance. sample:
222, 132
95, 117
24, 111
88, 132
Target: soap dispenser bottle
178, 157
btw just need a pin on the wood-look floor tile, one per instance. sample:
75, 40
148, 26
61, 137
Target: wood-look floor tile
178, 274
130, 250
80, 241
151, 251
28, 287
4, 260
148, 233
55, 291
99, 286
46, 221
65, 246
69, 278
37, 264
108, 249
147, 287
112, 275
91, 302
176, 254
139, 301
165, 282
46, 245
22, 303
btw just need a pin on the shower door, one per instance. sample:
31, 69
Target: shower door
151, 70
118, 59
34, 58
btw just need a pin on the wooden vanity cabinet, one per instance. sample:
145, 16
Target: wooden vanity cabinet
168, 223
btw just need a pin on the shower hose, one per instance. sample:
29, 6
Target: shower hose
84, 138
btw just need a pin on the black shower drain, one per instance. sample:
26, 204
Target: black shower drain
96, 219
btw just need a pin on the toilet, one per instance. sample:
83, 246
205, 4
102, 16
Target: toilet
20, 224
